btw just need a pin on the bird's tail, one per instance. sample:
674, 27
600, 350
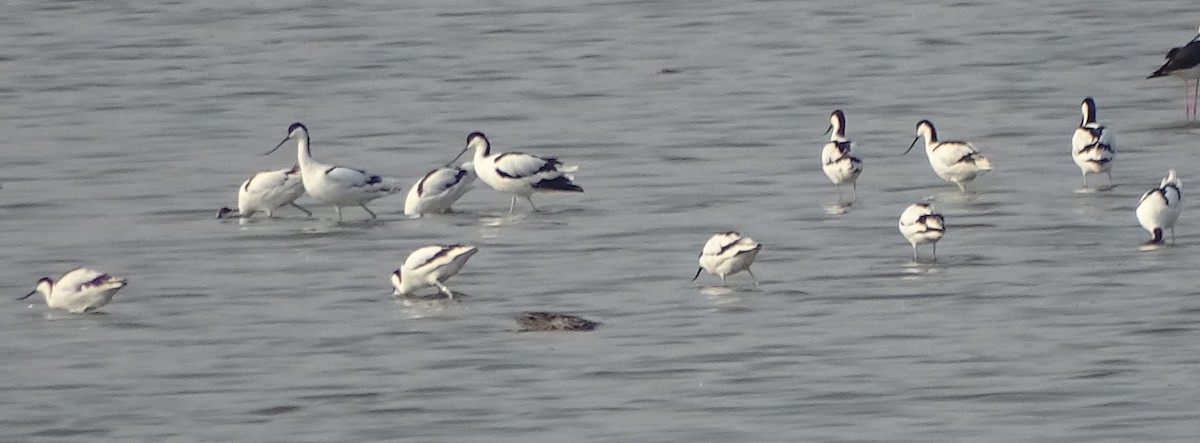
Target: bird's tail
388, 185
113, 282
1172, 179
561, 183
983, 163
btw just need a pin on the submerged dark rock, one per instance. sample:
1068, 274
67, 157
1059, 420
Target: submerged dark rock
552, 321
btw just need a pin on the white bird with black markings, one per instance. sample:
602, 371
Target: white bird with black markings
1092, 146
839, 164
438, 189
517, 173
1159, 208
431, 266
728, 253
920, 224
78, 291
338, 186
1184, 62
267, 191
954, 161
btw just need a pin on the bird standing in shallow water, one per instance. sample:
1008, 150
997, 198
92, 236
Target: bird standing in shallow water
338, 186
920, 224
431, 266
1184, 62
954, 161
836, 159
1092, 146
437, 190
1159, 208
78, 291
728, 253
517, 173
267, 191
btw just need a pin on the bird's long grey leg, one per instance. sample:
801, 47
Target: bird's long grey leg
444, 289
302, 209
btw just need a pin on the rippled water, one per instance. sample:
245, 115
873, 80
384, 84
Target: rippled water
125, 126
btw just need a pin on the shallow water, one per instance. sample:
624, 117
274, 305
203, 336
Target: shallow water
126, 126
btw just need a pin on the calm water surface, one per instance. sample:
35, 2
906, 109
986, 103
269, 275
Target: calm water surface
125, 126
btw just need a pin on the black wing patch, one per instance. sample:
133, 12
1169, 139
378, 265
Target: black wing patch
924, 221
844, 147
99, 280
969, 158
735, 243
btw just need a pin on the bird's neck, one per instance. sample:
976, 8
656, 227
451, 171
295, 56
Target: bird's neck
303, 154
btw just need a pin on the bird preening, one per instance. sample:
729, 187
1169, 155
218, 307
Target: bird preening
837, 160
921, 224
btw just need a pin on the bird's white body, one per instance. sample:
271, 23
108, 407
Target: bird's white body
337, 186
431, 266
837, 160
80, 290
1159, 208
920, 224
1093, 147
954, 161
728, 253
519, 174
437, 190
267, 191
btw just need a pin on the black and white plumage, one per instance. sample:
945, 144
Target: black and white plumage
1159, 208
1184, 62
728, 253
920, 224
1093, 147
954, 161
839, 164
438, 189
517, 173
431, 266
338, 186
553, 321
79, 290
267, 191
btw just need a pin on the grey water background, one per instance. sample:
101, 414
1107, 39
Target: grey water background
126, 125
